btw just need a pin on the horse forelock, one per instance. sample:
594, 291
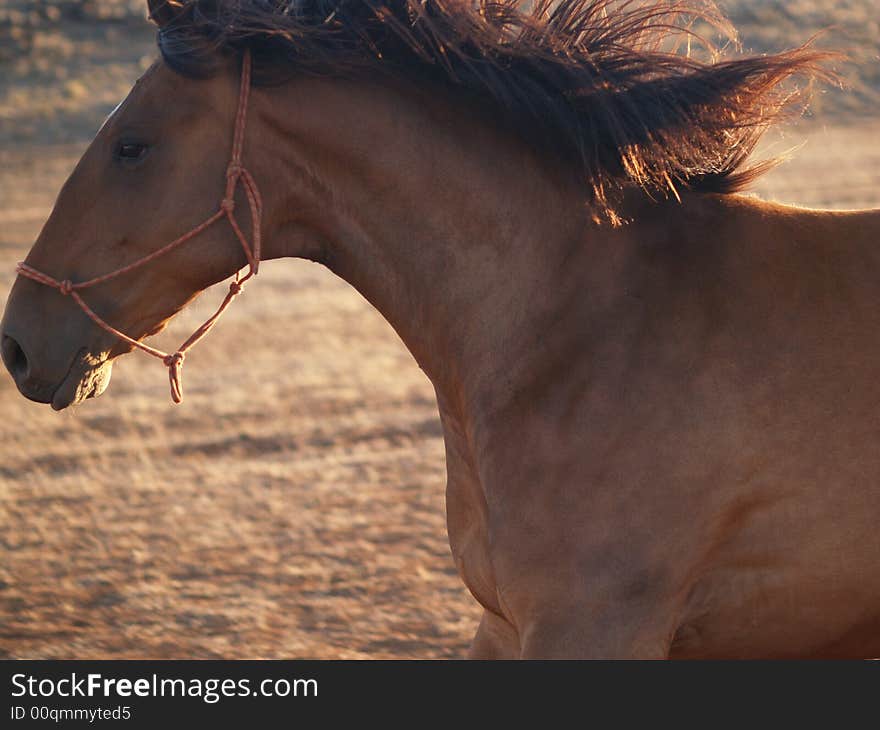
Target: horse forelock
616, 86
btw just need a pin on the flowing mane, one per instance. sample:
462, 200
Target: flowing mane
604, 84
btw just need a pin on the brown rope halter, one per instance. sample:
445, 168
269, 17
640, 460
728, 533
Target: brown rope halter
235, 174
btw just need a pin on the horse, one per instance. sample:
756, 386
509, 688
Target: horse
659, 395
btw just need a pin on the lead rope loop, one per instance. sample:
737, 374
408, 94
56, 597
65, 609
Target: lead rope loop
236, 174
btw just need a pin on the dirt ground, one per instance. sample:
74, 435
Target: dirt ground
292, 506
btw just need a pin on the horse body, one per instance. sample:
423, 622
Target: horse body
697, 477
660, 435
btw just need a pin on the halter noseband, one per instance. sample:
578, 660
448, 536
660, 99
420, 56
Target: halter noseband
235, 174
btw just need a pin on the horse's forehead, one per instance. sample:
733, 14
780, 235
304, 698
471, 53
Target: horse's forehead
110, 116
137, 85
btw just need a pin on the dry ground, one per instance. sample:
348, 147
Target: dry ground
292, 506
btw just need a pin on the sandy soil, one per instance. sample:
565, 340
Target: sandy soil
292, 506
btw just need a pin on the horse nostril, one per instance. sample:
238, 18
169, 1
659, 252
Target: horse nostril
14, 358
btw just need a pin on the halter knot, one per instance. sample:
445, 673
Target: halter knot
234, 170
174, 359
236, 288
227, 204
65, 287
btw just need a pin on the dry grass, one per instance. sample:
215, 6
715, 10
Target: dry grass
293, 505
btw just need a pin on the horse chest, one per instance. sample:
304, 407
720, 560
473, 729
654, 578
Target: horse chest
469, 541
467, 519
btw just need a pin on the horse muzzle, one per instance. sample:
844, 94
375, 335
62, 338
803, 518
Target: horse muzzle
86, 377
49, 366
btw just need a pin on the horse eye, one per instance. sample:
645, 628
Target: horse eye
131, 151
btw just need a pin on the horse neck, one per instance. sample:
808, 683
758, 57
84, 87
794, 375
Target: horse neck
454, 232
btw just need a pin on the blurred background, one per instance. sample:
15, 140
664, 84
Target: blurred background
292, 506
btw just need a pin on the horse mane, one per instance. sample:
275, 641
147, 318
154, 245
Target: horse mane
603, 84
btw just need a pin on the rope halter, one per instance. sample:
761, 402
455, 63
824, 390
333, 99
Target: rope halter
236, 176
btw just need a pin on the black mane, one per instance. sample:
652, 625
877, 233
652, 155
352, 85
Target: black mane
600, 82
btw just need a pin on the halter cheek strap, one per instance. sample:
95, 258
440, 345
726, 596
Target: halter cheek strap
236, 175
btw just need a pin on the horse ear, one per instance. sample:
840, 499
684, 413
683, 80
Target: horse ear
163, 12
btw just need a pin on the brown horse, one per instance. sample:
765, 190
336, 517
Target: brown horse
659, 398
